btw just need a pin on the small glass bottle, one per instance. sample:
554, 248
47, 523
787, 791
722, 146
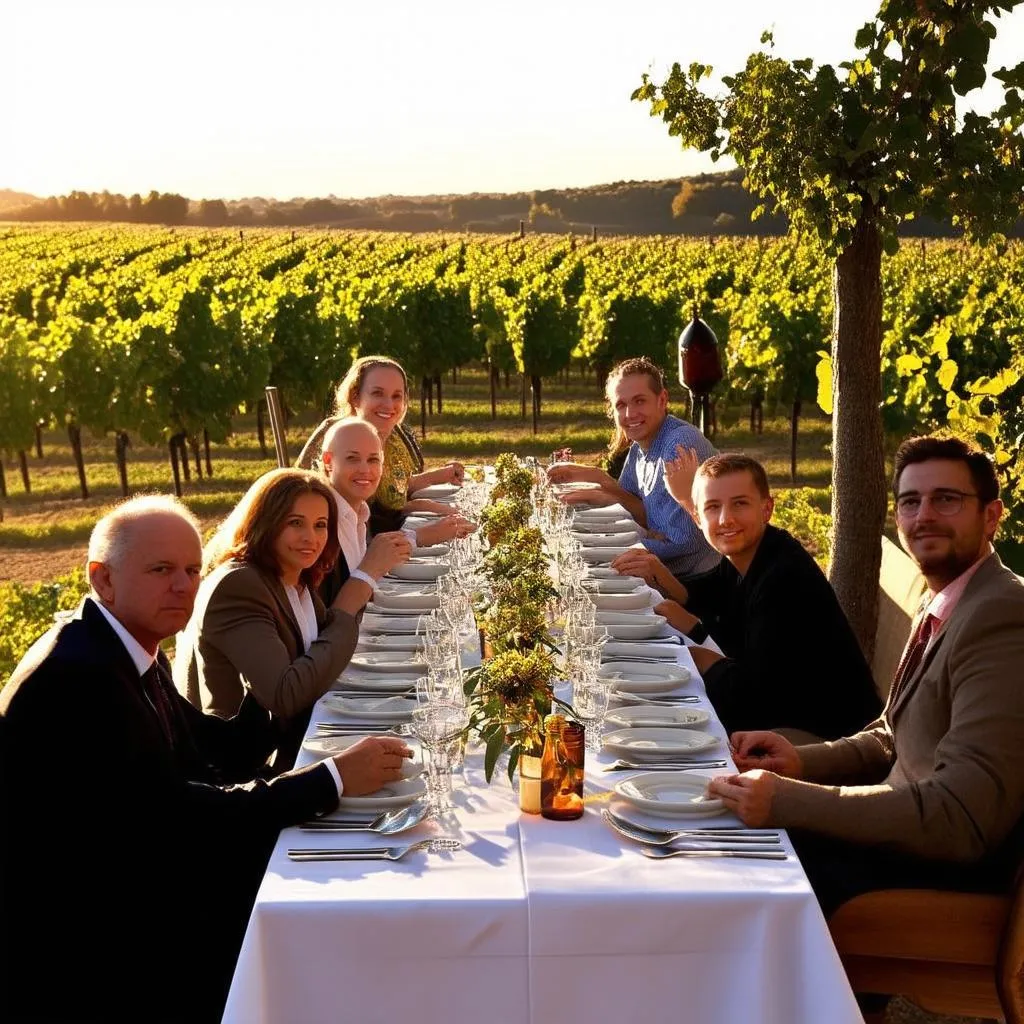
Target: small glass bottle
561, 769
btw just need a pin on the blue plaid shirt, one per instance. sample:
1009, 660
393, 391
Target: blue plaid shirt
685, 551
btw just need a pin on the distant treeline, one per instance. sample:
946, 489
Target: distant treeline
708, 204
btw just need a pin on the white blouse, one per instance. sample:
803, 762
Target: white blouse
305, 613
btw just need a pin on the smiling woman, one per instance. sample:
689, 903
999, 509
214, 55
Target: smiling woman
259, 634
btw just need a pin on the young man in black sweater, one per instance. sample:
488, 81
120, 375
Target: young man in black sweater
790, 661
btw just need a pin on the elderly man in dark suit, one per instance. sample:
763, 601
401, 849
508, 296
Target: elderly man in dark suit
132, 843
931, 794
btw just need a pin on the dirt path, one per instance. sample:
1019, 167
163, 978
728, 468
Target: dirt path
33, 565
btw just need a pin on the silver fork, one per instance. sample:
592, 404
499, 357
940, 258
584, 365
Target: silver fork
438, 844
659, 837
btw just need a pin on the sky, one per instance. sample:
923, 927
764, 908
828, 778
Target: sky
307, 98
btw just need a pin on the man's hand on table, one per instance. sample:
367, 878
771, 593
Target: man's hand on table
640, 562
748, 796
678, 617
371, 763
768, 750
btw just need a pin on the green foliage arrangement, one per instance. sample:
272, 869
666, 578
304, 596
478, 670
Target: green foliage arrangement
28, 612
510, 694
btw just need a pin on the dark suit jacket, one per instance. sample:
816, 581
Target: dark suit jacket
127, 868
792, 659
243, 642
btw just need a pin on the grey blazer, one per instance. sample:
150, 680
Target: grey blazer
243, 638
940, 774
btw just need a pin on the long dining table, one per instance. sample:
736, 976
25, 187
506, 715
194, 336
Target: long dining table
535, 921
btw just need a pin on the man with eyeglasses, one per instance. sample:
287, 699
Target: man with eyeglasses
931, 794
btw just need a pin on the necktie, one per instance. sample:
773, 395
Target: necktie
153, 686
914, 651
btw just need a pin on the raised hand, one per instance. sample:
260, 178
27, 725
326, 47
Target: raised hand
679, 474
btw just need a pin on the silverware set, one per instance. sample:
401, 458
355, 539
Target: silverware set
366, 729
726, 841
386, 824
438, 844
666, 764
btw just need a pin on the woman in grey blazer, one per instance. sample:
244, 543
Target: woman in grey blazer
259, 631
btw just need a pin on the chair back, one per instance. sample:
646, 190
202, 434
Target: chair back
900, 588
1010, 965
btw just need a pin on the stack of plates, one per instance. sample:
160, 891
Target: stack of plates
647, 743
391, 642
404, 662
390, 623
603, 555
369, 708
438, 492
633, 626
608, 540
653, 716
606, 513
640, 677
582, 524
664, 795
642, 597
328, 746
419, 570
403, 601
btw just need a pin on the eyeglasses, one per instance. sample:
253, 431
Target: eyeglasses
945, 503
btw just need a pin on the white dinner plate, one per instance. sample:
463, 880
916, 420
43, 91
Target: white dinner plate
435, 551
419, 570
642, 630
328, 746
641, 677
582, 525
670, 794
645, 819
389, 622
613, 585
639, 598
376, 682
644, 743
601, 512
389, 661
391, 642
411, 600
394, 794
659, 650
608, 540
377, 709
437, 492
603, 555
652, 716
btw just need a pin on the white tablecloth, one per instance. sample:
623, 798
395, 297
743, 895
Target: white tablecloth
535, 921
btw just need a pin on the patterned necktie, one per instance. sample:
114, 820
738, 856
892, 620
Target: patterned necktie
914, 651
153, 686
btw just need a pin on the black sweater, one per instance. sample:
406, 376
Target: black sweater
791, 657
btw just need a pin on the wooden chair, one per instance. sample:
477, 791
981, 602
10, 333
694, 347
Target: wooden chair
949, 952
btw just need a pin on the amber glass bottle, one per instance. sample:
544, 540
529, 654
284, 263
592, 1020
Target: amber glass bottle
561, 769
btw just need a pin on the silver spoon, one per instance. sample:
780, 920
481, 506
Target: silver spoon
386, 824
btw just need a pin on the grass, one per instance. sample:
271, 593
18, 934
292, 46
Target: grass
54, 517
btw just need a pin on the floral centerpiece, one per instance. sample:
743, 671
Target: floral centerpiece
510, 694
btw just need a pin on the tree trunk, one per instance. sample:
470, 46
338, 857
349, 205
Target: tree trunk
172, 449
193, 443
206, 446
3, 481
23, 465
858, 458
455, 375
522, 397
261, 435
423, 407
713, 416
75, 437
535, 395
794, 427
121, 445
39, 440
437, 384
179, 443
494, 374
506, 379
